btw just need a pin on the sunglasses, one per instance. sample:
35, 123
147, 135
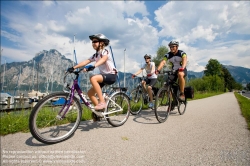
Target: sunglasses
172, 46
95, 41
147, 58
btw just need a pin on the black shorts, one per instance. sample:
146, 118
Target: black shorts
151, 82
175, 77
108, 79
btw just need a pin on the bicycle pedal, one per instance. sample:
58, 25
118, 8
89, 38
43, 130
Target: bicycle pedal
101, 110
99, 114
95, 117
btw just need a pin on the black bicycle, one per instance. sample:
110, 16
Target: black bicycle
139, 97
167, 98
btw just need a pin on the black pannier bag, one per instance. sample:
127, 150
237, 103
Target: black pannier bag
189, 92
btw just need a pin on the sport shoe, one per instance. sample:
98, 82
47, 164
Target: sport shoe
100, 106
182, 97
151, 105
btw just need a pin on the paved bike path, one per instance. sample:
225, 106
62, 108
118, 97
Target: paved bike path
211, 132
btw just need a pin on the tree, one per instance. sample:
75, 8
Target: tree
238, 86
228, 79
162, 50
213, 68
248, 86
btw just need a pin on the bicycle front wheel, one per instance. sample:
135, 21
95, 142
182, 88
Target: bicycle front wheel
118, 109
54, 118
136, 102
162, 104
182, 107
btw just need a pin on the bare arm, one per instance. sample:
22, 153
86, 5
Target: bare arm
184, 62
163, 62
153, 70
102, 60
138, 72
83, 63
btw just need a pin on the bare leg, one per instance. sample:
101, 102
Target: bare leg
144, 86
95, 80
182, 85
150, 93
181, 81
91, 94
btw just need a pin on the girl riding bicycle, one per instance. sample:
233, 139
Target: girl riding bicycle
107, 69
151, 77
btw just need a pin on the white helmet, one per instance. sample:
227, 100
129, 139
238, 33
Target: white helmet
100, 37
147, 55
173, 42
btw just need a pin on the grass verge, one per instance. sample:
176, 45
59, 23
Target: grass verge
201, 95
18, 121
244, 104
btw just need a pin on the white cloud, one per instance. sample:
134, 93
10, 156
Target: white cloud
54, 25
200, 32
10, 36
201, 28
178, 18
48, 3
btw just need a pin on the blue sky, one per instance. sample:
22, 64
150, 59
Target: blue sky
213, 29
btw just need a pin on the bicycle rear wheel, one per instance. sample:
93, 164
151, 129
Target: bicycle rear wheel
47, 123
118, 108
162, 104
182, 107
136, 102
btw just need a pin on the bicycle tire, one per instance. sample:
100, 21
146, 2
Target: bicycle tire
182, 107
136, 102
162, 104
118, 118
46, 126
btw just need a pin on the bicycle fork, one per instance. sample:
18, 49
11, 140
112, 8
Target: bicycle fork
66, 107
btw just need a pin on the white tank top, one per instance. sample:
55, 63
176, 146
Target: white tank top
149, 70
107, 67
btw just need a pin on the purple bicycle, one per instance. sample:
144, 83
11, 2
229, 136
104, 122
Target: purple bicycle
57, 116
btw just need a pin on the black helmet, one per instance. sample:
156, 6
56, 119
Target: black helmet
173, 43
100, 37
147, 55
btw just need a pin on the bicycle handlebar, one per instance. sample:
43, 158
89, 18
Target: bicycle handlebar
170, 72
140, 78
88, 68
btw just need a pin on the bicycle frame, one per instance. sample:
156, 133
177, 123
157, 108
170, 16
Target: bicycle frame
143, 91
75, 87
172, 83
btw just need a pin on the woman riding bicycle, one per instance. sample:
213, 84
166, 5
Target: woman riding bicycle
151, 77
107, 69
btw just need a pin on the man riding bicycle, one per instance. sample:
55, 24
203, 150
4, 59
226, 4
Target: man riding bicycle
178, 60
151, 77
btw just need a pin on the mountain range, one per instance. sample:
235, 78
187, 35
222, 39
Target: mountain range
45, 72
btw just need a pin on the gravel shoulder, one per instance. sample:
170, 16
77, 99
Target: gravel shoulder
211, 132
